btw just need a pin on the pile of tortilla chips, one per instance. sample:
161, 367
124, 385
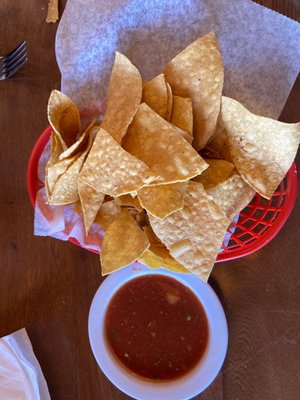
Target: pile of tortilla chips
171, 163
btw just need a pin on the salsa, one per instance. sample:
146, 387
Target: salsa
156, 327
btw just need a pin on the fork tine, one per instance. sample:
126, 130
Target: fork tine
13, 60
16, 50
17, 66
8, 68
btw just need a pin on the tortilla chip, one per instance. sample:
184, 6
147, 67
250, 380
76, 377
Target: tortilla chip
218, 147
65, 190
154, 141
123, 243
162, 200
182, 114
90, 203
142, 218
80, 144
128, 200
53, 13
63, 160
77, 207
107, 214
63, 116
56, 149
262, 149
56, 170
109, 169
232, 195
194, 234
155, 94
158, 256
162, 260
208, 152
170, 102
184, 134
217, 172
153, 239
124, 97
197, 72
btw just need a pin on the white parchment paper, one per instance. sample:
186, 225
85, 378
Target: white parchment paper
260, 49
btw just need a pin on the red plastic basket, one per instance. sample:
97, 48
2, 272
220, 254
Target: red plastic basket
258, 223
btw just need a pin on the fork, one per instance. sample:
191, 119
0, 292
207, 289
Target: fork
13, 61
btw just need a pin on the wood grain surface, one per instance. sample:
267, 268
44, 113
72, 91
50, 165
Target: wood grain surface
47, 285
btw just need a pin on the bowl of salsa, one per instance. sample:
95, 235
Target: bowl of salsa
157, 334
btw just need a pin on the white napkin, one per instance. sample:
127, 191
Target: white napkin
21, 377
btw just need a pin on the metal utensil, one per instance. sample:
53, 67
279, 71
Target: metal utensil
13, 61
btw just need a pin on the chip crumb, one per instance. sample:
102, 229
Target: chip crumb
52, 15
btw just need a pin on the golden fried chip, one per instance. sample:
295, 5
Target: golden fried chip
65, 190
218, 147
170, 102
232, 194
90, 203
111, 170
80, 144
128, 200
153, 239
194, 234
77, 207
161, 260
262, 149
124, 97
184, 134
123, 243
56, 170
63, 160
182, 114
107, 214
207, 152
159, 145
56, 150
158, 255
217, 172
197, 72
155, 94
142, 218
63, 116
53, 14
162, 200
132, 211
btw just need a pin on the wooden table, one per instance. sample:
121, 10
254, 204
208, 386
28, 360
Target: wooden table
47, 285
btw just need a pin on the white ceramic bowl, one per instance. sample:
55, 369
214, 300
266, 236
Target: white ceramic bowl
182, 388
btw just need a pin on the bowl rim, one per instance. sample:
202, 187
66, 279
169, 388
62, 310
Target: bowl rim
182, 388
